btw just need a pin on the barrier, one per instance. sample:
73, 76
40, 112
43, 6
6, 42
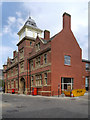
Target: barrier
78, 92
75, 93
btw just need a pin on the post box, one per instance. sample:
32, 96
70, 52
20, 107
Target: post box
13, 91
35, 91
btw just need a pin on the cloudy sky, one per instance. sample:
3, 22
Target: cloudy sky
47, 15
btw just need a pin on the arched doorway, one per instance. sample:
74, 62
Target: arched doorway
22, 85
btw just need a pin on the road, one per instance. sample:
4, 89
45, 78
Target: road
19, 106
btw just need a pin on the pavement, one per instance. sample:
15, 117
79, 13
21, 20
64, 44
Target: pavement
85, 97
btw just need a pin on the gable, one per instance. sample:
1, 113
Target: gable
66, 39
42, 44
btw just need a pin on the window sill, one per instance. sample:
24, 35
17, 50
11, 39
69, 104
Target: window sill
87, 70
38, 86
45, 85
67, 65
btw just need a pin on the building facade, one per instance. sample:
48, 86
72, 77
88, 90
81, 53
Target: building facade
49, 64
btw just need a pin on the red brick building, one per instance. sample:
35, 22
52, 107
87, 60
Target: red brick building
48, 64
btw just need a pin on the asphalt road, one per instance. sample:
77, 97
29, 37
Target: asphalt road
17, 106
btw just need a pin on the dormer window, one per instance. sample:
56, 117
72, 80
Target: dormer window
38, 46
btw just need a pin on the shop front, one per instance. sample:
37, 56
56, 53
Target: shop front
66, 83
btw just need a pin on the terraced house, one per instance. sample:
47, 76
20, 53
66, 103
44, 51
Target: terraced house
48, 64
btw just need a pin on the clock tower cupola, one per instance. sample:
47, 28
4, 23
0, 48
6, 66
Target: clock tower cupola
30, 30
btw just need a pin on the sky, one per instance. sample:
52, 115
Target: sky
47, 15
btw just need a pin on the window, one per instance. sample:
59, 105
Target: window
38, 46
12, 84
22, 66
38, 61
8, 85
66, 82
16, 83
32, 64
87, 83
16, 68
45, 78
16, 59
8, 74
87, 66
38, 80
22, 35
67, 60
45, 58
29, 33
30, 43
32, 81
11, 71
21, 53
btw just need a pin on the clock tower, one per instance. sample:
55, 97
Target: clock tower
27, 38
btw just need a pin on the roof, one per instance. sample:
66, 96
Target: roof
84, 60
43, 40
52, 37
31, 24
25, 38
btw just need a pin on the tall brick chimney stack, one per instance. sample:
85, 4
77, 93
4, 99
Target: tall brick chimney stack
46, 35
66, 21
